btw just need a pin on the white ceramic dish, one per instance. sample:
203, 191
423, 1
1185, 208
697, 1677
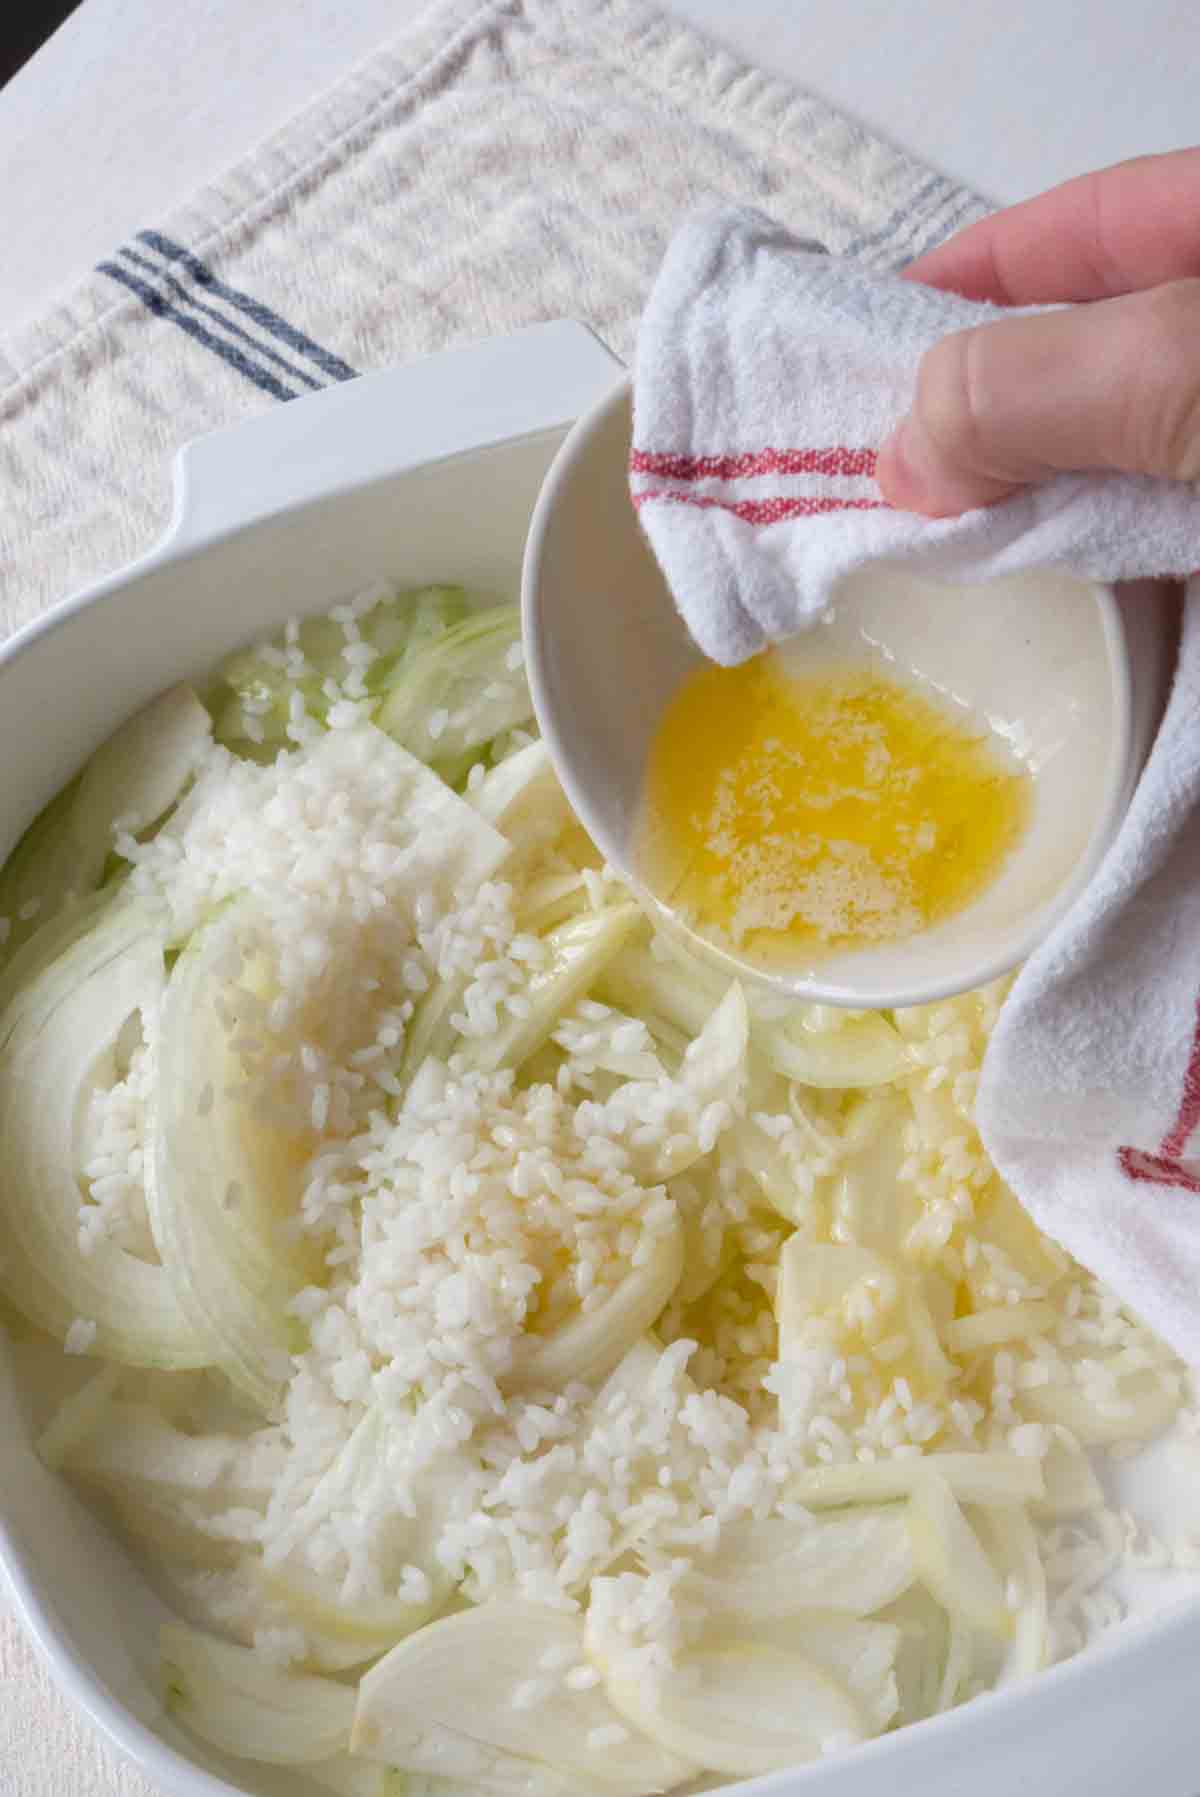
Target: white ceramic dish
1072, 675
429, 472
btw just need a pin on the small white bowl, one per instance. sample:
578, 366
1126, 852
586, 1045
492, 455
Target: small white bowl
1073, 675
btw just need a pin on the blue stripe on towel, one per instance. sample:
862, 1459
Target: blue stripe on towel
254, 309
228, 352
186, 298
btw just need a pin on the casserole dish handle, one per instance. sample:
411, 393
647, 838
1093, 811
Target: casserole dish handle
540, 378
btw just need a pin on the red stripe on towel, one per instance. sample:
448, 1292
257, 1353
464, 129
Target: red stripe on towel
1166, 1167
836, 460
761, 511
1174, 1143
1156, 1170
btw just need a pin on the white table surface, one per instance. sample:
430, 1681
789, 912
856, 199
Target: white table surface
134, 103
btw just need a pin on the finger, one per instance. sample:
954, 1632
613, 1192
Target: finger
1119, 230
1114, 385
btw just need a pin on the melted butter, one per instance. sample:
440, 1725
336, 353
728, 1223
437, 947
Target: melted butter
822, 811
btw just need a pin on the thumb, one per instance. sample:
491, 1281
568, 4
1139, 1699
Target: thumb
1110, 385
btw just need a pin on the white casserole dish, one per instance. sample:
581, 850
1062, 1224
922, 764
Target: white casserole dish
430, 473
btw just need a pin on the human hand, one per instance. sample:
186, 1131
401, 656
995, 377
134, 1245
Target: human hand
1113, 384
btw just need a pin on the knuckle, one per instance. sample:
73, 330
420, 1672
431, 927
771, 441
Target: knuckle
1163, 411
948, 398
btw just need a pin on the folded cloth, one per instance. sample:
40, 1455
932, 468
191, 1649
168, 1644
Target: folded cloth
1090, 1097
767, 376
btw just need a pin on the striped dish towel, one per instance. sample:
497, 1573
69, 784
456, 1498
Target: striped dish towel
503, 162
768, 372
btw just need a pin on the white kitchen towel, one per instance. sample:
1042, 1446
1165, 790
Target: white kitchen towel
768, 374
501, 162
1090, 1098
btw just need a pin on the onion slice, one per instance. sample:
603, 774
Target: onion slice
852, 1564
497, 1675
217, 1224
732, 1705
234, 1699
56, 1028
590, 1344
951, 1561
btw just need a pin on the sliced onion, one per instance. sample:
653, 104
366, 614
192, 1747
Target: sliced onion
166, 1488
1010, 1535
767, 1163
734, 1705
713, 1072
234, 1699
347, 1777
958, 1666
816, 1279
431, 1034
1005, 1226
715, 1064
989, 1477
78, 1417
589, 1345
138, 774
41, 874
916, 1321
645, 986
681, 989
1003, 1323
54, 1031
131, 780
579, 945
923, 1639
862, 1051
175, 1534
357, 1465
852, 1564
19, 976
551, 900
950, 1559
346, 1634
701, 1270
578, 951
871, 1206
233, 1265
138, 1451
631, 1377
524, 801
470, 1675
1146, 1403
1071, 1485
461, 679
859, 1655
442, 1762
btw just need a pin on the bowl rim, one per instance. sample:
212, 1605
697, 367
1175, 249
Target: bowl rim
1117, 794
78, 1680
